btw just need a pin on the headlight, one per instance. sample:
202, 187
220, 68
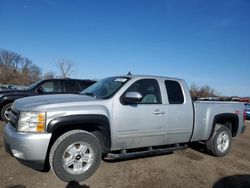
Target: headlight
32, 122
1, 96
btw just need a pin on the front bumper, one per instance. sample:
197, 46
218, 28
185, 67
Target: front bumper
30, 148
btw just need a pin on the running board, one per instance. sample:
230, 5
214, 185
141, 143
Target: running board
142, 152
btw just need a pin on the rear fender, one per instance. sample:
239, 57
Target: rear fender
223, 119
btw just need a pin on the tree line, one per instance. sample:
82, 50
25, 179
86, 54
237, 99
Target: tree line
19, 70
202, 92
16, 69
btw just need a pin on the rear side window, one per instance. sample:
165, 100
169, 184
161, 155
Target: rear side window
71, 87
174, 91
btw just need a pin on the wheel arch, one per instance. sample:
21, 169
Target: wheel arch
5, 102
229, 120
9, 99
96, 124
90, 123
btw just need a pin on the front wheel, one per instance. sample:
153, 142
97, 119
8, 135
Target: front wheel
219, 144
75, 156
5, 112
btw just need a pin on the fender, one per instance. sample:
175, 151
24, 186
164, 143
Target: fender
223, 118
92, 121
8, 99
11, 98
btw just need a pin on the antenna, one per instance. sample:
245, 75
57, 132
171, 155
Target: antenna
129, 73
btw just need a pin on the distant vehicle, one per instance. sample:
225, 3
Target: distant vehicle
3, 88
209, 99
42, 87
247, 105
235, 99
244, 100
7, 87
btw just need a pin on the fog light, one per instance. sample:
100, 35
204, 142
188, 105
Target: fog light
17, 154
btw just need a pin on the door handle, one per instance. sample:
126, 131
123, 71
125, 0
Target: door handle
157, 112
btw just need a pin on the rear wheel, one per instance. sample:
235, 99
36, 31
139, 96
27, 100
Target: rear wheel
5, 112
75, 156
219, 144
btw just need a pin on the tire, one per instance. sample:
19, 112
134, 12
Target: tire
5, 111
75, 156
219, 144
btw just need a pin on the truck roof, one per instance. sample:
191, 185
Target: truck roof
152, 76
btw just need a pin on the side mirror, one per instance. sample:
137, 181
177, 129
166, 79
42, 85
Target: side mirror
132, 97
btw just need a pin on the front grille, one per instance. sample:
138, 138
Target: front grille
14, 117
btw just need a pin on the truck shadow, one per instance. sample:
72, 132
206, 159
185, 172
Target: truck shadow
198, 146
74, 184
237, 181
16, 186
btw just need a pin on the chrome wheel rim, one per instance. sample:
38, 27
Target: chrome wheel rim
77, 158
7, 113
222, 141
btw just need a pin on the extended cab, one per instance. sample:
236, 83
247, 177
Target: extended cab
42, 87
116, 118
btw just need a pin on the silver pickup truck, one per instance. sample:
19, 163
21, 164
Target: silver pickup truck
116, 118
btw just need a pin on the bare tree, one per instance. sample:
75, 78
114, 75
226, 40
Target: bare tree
49, 75
203, 91
65, 68
15, 69
10, 62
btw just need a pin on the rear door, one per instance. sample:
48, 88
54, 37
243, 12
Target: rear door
179, 113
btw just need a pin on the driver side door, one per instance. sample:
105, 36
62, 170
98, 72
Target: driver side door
141, 124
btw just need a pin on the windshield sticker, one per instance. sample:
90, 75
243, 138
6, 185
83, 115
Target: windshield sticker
120, 79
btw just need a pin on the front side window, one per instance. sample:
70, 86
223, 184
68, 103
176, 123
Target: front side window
105, 88
33, 86
174, 91
50, 87
149, 89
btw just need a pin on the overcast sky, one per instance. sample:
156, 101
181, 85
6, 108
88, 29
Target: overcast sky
203, 42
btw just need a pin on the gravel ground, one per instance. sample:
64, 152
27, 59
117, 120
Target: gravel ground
185, 168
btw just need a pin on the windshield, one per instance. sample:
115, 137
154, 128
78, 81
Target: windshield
105, 88
30, 87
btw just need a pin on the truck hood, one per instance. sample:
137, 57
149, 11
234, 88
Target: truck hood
13, 92
28, 103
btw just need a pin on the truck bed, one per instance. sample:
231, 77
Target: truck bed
206, 111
